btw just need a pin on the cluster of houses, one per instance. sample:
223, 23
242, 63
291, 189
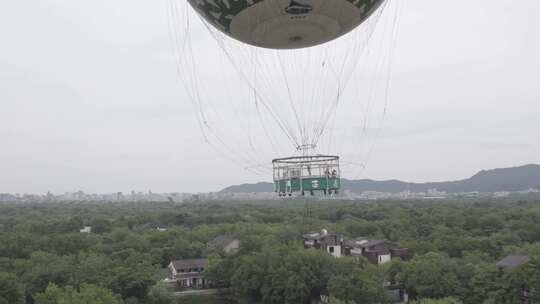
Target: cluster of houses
376, 251
190, 273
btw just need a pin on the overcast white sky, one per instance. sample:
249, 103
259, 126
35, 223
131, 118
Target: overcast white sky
90, 99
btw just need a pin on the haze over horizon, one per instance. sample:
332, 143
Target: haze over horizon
91, 101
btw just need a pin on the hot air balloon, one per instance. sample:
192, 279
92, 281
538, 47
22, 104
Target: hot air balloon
285, 24
271, 78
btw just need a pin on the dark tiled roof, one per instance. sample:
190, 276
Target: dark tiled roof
221, 241
513, 260
402, 252
380, 251
152, 226
192, 263
371, 243
330, 240
355, 243
313, 236
323, 239
378, 244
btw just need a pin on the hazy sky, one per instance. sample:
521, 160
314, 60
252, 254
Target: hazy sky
90, 98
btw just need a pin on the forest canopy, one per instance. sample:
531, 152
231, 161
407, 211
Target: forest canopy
455, 246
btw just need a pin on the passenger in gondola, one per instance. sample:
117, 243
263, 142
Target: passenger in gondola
327, 172
334, 173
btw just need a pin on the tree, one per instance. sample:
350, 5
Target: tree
393, 269
514, 281
159, 294
11, 291
531, 272
357, 287
88, 294
132, 274
432, 275
483, 285
282, 275
91, 269
248, 279
134, 281
437, 301
356, 281
43, 268
220, 270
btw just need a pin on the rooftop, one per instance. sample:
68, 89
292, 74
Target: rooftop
513, 261
331, 240
314, 236
222, 240
192, 263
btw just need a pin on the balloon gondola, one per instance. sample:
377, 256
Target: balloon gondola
306, 174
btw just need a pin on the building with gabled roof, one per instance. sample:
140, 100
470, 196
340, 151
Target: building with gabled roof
330, 243
376, 251
528, 294
513, 261
189, 273
227, 243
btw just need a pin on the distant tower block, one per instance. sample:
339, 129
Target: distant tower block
306, 174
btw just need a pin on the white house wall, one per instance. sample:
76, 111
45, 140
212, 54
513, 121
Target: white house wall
384, 258
173, 270
356, 251
232, 246
337, 251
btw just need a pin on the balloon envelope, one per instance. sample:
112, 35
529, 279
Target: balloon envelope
285, 24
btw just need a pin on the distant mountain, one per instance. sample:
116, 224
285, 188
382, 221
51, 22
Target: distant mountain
504, 179
248, 188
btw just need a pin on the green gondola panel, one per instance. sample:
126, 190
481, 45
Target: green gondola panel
306, 174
